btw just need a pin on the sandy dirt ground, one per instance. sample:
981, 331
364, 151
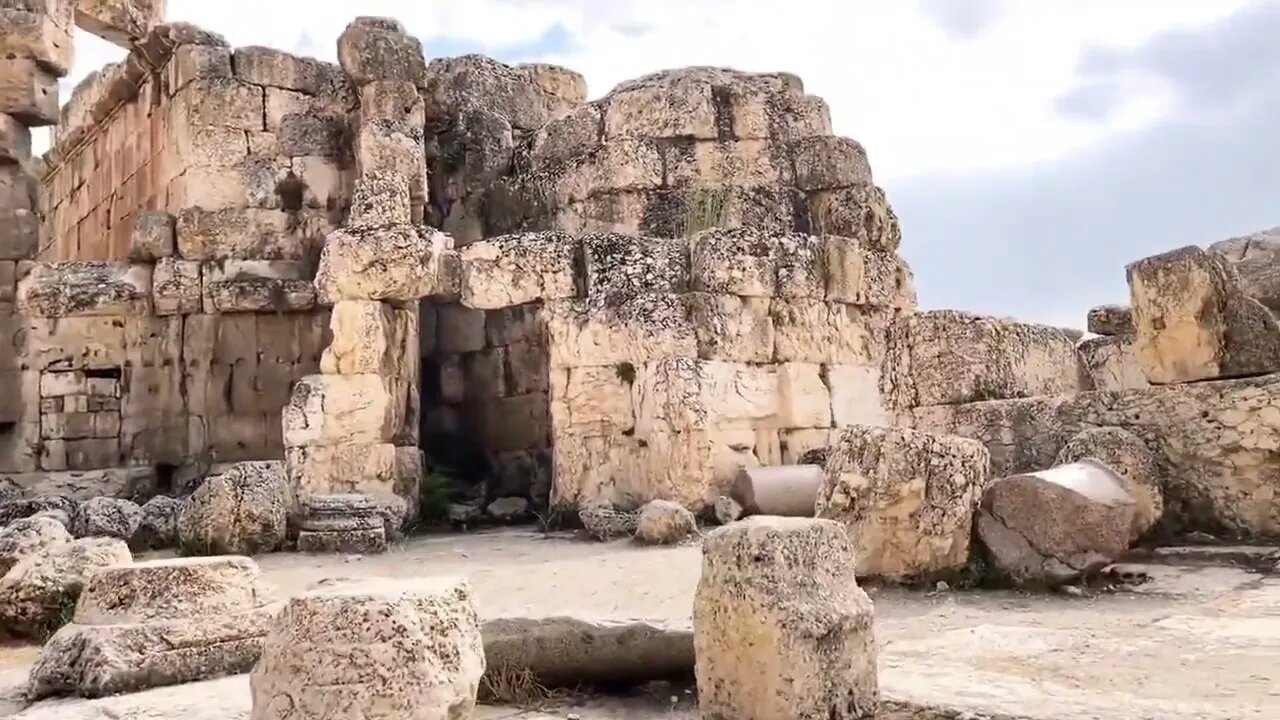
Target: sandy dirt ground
1200, 640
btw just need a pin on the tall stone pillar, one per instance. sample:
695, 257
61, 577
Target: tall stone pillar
353, 428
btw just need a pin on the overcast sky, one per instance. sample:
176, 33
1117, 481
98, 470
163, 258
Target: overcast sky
1031, 147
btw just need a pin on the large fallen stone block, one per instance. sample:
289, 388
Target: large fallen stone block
1195, 322
906, 498
1132, 460
339, 410
398, 264
1256, 258
80, 289
107, 517
29, 536
157, 623
159, 526
781, 628
559, 650
956, 357
241, 511
390, 649
39, 593
1053, 526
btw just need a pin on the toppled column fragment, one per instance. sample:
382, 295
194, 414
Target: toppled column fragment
781, 628
1195, 322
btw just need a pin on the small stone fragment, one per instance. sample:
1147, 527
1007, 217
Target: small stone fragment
663, 522
606, 523
107, 517
727, 510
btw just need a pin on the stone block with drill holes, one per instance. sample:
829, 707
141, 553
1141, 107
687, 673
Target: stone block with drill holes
781, 628
372, 649
341, 524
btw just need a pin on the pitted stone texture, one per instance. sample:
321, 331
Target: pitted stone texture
152, 237
379, 200
379, 650
1003, 359
81, 289
365, 541
38, 594
176, 287
363, 339
469, 82
1051, 527
257, 286
663, 522
107, 517
374, 48
29, 536
727, 510
781, 628
619, 267
1132, 460
1255, 257
159, 526
398, 264
607, 523
1195, 322
861, 212
906, 498
241, 511
516, 269
16, 509
633, 331
171, 589
1110, 320
1110, 362
385, 474
338, 410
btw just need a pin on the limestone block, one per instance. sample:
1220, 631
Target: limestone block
19, 508
379, 200
396, 264
34, 34
739, 261
511, 423
29, 536
276, 68
825, 162
19, 234
159, 527
589, 401
1003, 359
691, 468
804, 399
728, 163
176, 287
1110, 362
861, 276
119, 21
1110, 320
1253, 256
790, 580
241, 233
663, 522
1195, 322
471, 81
517, 269
459, 329
636, 330
207, 145
390, 648
619, 267
732, 328
727, 510
157, 623
86, 289
15, 140
527, 368
363, 541
106, 517
813, 331
565, 138
38, 592
387, 475
256, 286
664, 105
197, 62
220, 102
861, 213
906, 498
363, 339
1052, 526
240, 511
379, 49
397, 101
339, 409
680, 394
1132, 460
556, 80
619, 165
313, 133
801, 264
28, 93
395, 149
152, 237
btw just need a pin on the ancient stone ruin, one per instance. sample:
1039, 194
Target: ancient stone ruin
258, 303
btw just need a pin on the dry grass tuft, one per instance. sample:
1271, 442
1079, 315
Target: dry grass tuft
516, 686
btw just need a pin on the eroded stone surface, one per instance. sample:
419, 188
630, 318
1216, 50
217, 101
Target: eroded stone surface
663, 522
399, 263
905, 497
241, 511
39, 593
79, 289
107, 517
777, 602
1110, 320
29, 536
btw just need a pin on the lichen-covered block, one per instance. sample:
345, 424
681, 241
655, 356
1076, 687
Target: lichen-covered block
825, 162
374, 48
395, 101
1110, 362
517, 269
240, 511
620, 267
1003, 359
378, 200
459, 84
256, 286
152, 237
556, 80
1132, 460
339, 409
565, 138
790, 580
84, 289
738, 261
732, 328
37, 588
176, 287
906, 498
673, 104
313, 134
242, 233
813, 331
278, 69
1195, 322
634, 331
861, 213
1254, 258
1052, 526
35, 34
363, 339
390, 648
401, 263
28, 92
121, 22
197, 62
857, 275
220, 102
1110, 320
